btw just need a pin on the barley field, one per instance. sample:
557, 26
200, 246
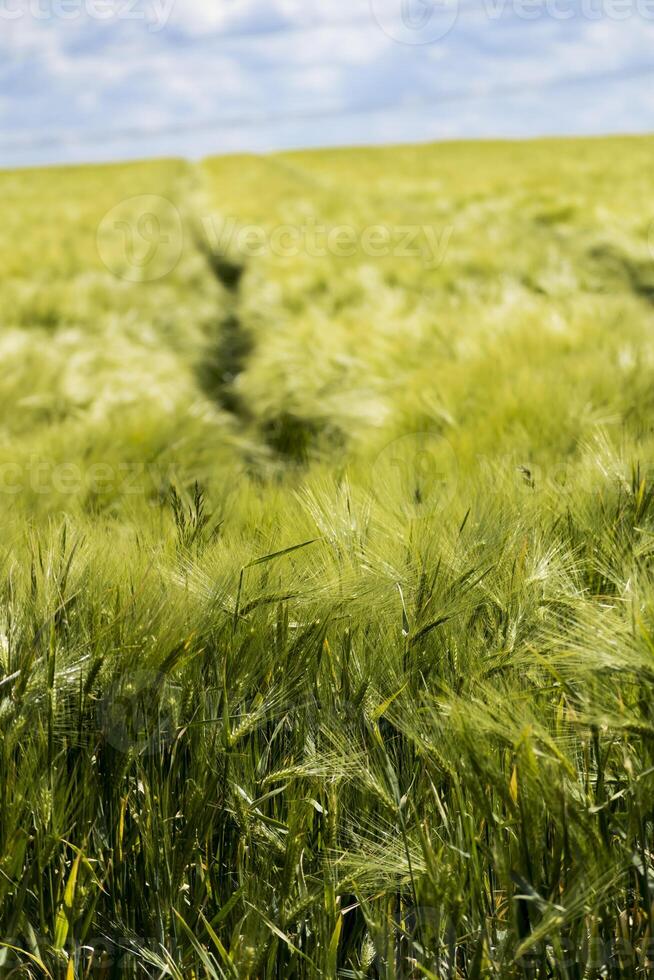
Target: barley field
327, 575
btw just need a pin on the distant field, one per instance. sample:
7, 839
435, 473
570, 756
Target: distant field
327, 597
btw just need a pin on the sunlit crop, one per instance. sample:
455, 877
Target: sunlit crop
327, 596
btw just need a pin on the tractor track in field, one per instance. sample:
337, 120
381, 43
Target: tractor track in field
286, 435
229, 342
230, 346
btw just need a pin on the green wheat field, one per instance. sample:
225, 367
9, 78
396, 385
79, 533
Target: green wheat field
327, 575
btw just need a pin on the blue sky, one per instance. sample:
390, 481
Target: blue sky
111, 79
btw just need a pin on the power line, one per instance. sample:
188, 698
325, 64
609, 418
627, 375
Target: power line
248, 120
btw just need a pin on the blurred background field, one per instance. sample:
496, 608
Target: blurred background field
520, 327
327, 615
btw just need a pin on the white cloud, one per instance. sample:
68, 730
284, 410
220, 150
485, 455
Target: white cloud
88, 75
